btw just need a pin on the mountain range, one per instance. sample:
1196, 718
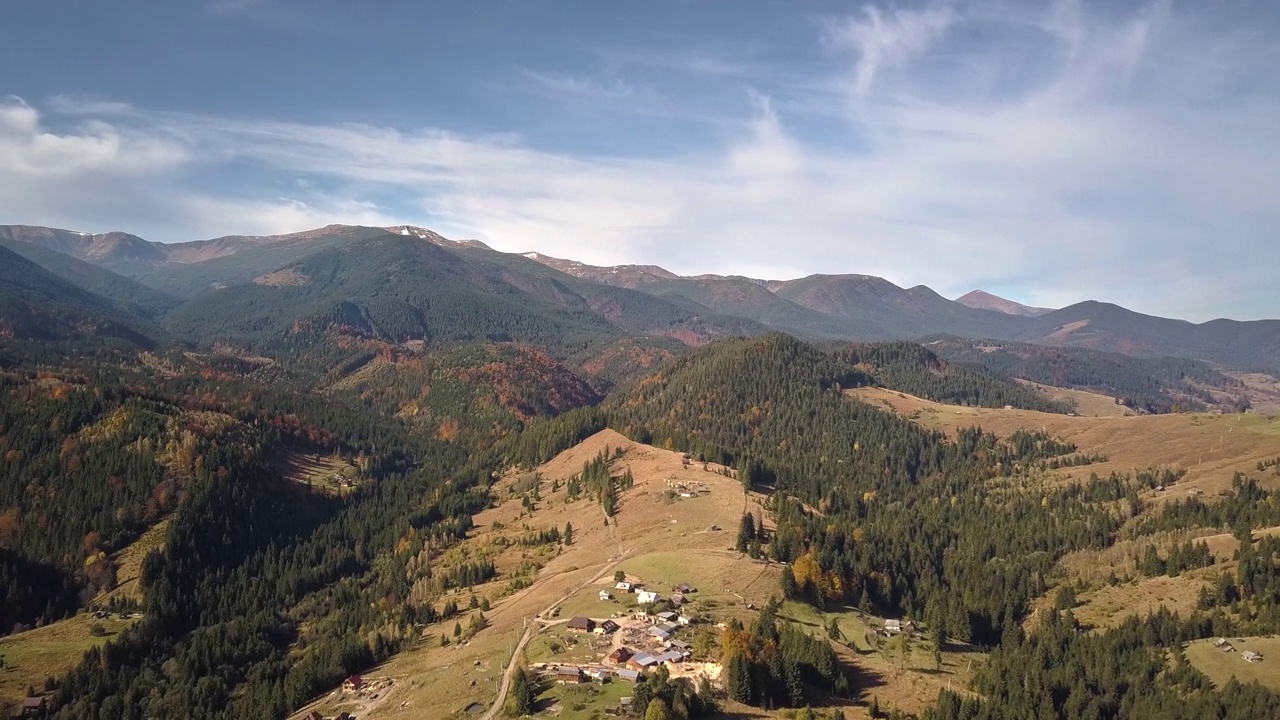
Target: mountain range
298, 276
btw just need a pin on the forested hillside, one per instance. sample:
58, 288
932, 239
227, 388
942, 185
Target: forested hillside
874, 512
912, 368
36, 304
1156, 385
132, 296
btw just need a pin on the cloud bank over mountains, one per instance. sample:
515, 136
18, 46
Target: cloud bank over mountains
1129, 154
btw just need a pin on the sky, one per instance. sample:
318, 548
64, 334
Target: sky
1050, 152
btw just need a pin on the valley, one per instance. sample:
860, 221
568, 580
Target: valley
379, 472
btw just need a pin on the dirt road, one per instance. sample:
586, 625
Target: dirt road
531, 629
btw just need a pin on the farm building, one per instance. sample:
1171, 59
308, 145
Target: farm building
677, 599
582, 624
629, 675
353, 683
658, 632
685, 588
641, 661
569, 675
684, 620
667, 616
621, 655
669, 657
623, 586
893, 627
647, 596
1251, 656
33, 707
606, 595
608, 627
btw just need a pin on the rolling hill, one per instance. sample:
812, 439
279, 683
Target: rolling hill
128, 294
36, 304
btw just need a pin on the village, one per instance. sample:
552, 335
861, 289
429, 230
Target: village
627, 644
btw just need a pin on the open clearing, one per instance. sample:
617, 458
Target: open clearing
1212, 448
331, 474
50, 651
1221, 666
129, 563
1088, 404
901, 672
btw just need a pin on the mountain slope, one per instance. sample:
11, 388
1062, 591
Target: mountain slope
35, 304
130, 295
911, 368
1153, 384
874, 308
251, 258
389, 287
697, 309
627, 276
630, 309
1250, 345
983, 300
114, 250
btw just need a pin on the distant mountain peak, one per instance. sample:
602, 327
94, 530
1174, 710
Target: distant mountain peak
434, 237
628, 276
983, 300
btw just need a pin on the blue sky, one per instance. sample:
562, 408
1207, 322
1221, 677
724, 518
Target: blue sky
1050, 152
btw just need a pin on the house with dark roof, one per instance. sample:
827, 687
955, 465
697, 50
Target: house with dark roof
569, 675
620, 655
582, 624
608, 627
629, 675
685, 588
353, 683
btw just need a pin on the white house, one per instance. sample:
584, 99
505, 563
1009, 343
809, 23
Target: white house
893, 626
647, 596
684, 620
623, 586
606, 595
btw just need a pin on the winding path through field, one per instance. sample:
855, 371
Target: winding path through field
531, 629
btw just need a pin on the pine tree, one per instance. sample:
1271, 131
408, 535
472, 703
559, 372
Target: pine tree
567, 535
747, 532
738, 671
790, 590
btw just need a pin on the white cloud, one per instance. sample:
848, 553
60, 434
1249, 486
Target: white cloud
1118, 173
884, 39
